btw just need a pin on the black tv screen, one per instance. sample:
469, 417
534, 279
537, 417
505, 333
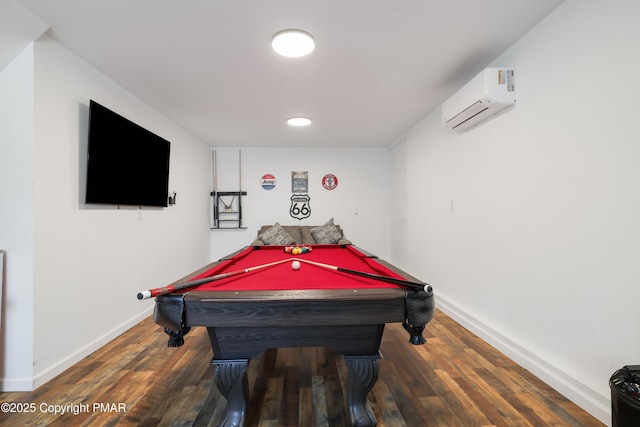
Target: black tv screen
126, 164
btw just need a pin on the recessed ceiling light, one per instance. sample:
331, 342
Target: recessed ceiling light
299, 121
293, 43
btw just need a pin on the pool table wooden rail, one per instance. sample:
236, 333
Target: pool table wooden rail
295, 308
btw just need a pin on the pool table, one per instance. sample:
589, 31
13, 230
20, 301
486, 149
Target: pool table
278, 306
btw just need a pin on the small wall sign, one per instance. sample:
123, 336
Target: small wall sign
300, 182
300, 206
329, 181
268, 181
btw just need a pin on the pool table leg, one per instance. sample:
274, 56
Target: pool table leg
231, 379
361, 376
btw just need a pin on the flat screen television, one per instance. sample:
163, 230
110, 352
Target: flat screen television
126, 164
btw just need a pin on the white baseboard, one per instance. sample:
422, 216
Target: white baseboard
30, 384
16, 384
588, 399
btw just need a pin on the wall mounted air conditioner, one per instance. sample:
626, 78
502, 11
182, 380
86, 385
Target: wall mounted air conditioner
485, 96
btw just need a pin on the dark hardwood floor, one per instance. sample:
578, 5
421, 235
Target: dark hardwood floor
456, 379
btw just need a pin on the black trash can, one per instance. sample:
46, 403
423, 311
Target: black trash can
625, 397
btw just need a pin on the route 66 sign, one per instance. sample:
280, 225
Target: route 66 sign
300, 207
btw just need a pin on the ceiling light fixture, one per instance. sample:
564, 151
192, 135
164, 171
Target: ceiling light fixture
299, 121
293, 43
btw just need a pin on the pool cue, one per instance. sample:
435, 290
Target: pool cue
214, 185
413, 285
240, 188
240, 170
180, 286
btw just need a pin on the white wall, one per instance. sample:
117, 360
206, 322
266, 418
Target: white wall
359, 204
16, 216
527, 227
90, 261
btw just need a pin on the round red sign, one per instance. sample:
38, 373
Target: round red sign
329, 181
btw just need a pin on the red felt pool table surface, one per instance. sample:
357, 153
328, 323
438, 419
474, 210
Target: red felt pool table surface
307, 277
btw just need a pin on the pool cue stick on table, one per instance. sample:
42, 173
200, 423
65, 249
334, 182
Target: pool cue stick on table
413, 285
185, 285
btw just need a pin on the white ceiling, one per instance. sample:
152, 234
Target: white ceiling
379, 65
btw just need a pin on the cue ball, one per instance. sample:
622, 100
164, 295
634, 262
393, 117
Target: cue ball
295, 265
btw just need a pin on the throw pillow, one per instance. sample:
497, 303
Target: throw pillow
276, 235
326, 234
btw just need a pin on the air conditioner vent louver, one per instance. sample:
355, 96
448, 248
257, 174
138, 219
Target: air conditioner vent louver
485, 96
469, 113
